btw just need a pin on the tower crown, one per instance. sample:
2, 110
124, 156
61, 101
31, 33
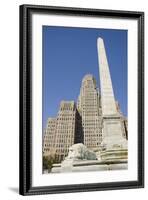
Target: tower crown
87, 77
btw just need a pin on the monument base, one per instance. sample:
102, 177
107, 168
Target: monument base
114, 154
93, 165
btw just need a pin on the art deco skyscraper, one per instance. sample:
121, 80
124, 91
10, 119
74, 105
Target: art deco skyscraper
63, 131
68, 128
49, 137
88, 106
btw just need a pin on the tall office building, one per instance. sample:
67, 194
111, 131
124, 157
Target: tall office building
49, 137
62, 132
65, 130
89, 108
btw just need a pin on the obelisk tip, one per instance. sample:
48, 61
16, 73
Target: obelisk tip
99, 40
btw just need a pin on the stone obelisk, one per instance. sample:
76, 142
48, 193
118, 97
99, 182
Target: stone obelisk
107, 94
114, 145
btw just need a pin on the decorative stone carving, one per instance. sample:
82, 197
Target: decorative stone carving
80, 152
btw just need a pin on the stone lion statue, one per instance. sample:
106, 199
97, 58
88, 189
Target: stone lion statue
80, 152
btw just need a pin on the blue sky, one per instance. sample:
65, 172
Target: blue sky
71, 53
